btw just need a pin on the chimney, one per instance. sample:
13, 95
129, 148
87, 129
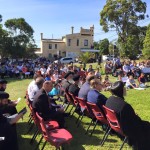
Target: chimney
41, 36
72, 28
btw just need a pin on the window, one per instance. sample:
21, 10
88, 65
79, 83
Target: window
50, 46
85, 42
77, 42
55, 46
69, 42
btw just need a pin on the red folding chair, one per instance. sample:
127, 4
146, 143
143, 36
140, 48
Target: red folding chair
85, 111
114, 124
50, 125
56, 137
70, 101
75, 102
99, 115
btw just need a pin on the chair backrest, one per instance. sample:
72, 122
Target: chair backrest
34, 117
112, 119
82, 103
76, 102
99, 115
84, 106
68, 96
42, 126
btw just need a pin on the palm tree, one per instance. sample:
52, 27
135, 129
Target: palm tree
84, 57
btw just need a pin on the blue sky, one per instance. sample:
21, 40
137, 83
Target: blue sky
55, 17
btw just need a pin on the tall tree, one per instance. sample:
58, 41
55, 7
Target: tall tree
22, 36
104, 46
146, 46
123, 15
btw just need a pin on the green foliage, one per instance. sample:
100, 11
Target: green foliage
104, 47
96, 45
146, 47
123, 16
17, 40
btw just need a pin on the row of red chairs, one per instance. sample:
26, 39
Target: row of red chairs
50, 131
107, 118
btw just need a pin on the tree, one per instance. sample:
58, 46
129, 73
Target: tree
104, 47
96, 45
123, 16
146, 45
22, 36
0, 17
84, 57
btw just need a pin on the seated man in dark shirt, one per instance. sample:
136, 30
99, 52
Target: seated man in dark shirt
94, 95
5, 107
45, 108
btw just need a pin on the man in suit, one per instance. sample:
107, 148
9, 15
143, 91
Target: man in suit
74, 88
137, 130
44, 106
67, 80
86, 86
94, 95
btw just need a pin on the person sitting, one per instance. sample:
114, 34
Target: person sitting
35, 92
107, 83
137, 130
97, 73
94, 95
74, 88
8, 131
130, 83
142, 81
45, 107
5, 104
55, 91
86, 86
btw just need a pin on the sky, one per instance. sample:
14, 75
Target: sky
54, 18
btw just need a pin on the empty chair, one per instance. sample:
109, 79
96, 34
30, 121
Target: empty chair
56, 137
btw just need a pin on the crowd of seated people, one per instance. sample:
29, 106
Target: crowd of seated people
52, 79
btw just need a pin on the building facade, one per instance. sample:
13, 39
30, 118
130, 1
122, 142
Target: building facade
69, 45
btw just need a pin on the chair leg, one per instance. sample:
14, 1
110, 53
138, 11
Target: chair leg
71, 109
39, 143
102, 143
80, 119
125, 139
31, 127
105, 134
34, 136
44, 145
89, 126
94, 127
30, 120
67, 106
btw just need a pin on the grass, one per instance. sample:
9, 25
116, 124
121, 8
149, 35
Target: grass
138, 99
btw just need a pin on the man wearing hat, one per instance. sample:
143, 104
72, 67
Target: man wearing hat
3, 84
136, 129
5, 106
67, 80
74, 88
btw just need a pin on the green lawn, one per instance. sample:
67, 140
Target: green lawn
138, 99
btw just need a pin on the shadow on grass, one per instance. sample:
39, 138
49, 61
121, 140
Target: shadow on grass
80, 139
24, 137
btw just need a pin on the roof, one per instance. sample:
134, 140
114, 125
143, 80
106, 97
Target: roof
89, 50
53, 40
